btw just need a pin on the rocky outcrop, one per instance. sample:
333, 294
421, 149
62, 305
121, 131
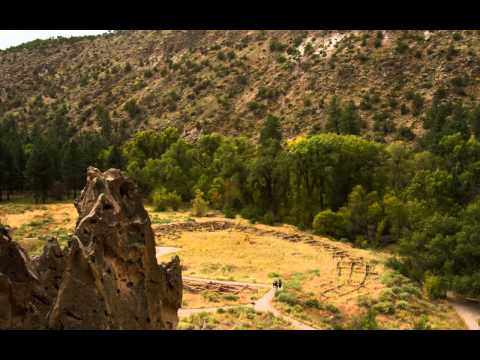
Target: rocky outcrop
108, 278
23, 303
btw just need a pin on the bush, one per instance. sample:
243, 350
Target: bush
199, 205
402, 305
422, 324
434, 287
365, 322
132, 108
287, 298
230, 297
277, 46
250, 213
384, 307
229, 213
268, 218
330, 223
312, 303
163, 200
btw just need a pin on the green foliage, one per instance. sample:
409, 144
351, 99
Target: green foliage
132, 108
331, 223
434, 287
199, 205
422, 323
163, 200
367, 321
343, 120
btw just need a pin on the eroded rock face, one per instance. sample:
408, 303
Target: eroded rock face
23, 303
112, 279
108, 278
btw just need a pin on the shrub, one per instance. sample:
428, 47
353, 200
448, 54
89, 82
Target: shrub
148, 73
405, 133
229, 213
277, 46
230, 297
250, 213
434, 287
365, 322
221, 56
384, 307
330, 223
163, 200
268, 218
401, 47
287, 298
422, 324
312, 303
332, 308
457, 36
199, 205
132, 108
402, 305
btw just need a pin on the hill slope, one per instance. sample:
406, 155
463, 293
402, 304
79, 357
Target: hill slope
227, 81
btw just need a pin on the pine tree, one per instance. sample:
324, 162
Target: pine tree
349, 120
334, 112
40, 170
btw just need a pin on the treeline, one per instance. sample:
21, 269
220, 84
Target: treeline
421, 198
50, 159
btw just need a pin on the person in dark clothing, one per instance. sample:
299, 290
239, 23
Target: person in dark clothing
279, 283
275, 284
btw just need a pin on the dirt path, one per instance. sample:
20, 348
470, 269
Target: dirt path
469, 312
164, 250
264, 304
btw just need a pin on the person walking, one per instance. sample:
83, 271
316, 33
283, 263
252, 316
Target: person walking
275, 284
279, 283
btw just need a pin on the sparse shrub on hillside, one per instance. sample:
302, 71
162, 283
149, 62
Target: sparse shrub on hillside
147, 73
422, 324
231, 55
367, 321
401, 46
132, 108
281, 59
405, 133
287, 297
452, 52
164, 200
457, 36
221, 56
458, 84
276, 46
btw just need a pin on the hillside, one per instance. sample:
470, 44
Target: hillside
227, 81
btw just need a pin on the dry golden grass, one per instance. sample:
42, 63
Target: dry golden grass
233, 319
215, 299
233, 255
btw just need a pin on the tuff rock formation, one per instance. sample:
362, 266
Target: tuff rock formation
108, 278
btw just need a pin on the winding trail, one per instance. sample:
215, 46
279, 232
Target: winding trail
164, 250
264, 304
469, 312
